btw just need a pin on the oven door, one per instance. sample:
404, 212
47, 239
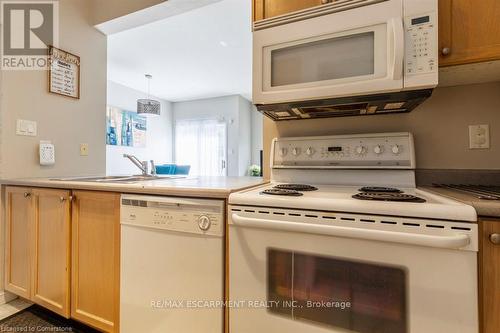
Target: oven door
354, 52
288, 277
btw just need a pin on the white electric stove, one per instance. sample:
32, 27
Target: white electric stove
341, 240
340, 199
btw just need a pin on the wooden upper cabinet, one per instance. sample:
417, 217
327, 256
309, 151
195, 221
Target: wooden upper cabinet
469, 31
95, 284
18, 254
51, 232
263, 9
489, 270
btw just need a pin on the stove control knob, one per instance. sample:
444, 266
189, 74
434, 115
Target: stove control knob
378, 149
360, 150
310, 151
296, 151
396, 149
283, 151
204, 223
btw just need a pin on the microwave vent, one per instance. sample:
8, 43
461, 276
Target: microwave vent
393, 106
397, 102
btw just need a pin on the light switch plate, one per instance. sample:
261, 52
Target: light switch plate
479, 136
26, 127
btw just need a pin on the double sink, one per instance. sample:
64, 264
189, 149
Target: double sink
117, 179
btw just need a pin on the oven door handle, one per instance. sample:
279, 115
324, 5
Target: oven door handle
456, 241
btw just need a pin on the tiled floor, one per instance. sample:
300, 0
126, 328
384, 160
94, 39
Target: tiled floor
37, 319
17, 305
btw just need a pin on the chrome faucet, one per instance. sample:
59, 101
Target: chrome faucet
142, 165
153, 168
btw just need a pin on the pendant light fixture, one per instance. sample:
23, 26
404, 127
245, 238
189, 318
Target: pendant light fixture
148, 106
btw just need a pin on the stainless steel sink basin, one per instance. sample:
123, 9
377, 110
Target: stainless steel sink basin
91, 179
115, 179
136, 179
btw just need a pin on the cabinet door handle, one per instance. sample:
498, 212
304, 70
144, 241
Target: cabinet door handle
63, 199
27, 194
445, 51
326, 1
495, 239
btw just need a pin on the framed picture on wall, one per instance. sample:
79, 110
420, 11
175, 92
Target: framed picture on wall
125, 128
64, 73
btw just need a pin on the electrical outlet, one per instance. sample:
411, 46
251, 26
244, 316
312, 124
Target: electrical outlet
479, 136
84, 149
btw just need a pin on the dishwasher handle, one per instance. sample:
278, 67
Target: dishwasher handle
455, 241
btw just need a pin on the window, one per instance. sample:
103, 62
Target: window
201, 143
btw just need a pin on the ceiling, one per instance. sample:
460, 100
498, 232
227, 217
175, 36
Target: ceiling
202, 53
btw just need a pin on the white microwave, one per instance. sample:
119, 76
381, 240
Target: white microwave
347, 57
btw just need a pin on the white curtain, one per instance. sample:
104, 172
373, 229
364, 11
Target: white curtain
201, 143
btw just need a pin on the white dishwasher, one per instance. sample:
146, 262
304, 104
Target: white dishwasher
172, 265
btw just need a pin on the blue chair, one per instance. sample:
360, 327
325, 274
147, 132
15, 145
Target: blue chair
166, 169
182, 169
173, 169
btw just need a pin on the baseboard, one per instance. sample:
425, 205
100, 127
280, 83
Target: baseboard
6, 297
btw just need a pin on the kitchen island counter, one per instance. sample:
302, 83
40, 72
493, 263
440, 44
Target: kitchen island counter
203, 187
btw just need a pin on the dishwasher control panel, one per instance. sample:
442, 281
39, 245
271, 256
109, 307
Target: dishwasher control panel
196, 216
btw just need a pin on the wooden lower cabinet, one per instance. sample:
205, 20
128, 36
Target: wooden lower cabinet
489, 271
63, 252
95, 285
52, 250
18, 228
38, 246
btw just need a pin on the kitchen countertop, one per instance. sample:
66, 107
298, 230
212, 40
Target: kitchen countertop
484, 208
204, 187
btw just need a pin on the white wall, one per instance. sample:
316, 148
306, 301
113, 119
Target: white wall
64, 121
107, 10
159, 141
226, 109
257, 124
440, 127
245, 134
108, 13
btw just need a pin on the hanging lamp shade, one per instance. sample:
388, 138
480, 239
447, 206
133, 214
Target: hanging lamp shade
148, 106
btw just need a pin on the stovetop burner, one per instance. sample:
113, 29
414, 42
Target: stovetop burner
382, 196
276, 191
296, 187
380, 189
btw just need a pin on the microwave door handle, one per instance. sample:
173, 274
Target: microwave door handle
456, 241
398, 48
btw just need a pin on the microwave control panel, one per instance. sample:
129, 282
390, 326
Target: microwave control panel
421, 44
